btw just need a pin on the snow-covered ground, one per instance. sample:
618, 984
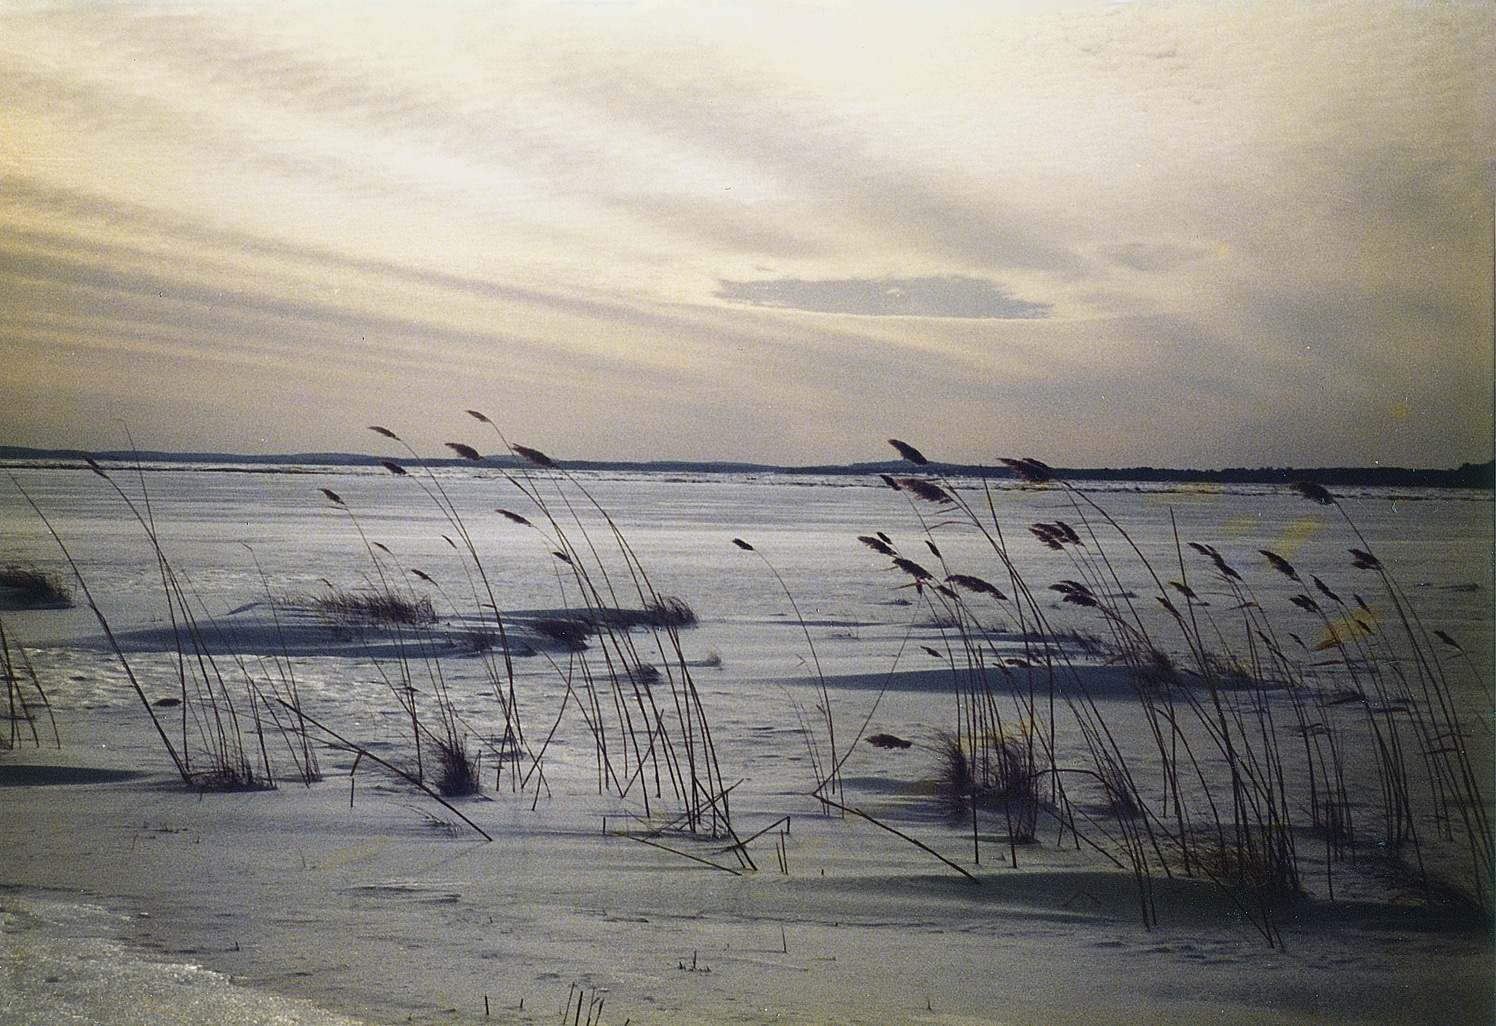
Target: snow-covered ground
128, 897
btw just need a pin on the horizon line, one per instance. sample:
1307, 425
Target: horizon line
858, 466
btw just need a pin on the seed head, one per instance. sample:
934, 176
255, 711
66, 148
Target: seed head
1313, 492
909, 452
1281, 565
976, 584
534, 456
1029, 470
927, 490
1324, 589
912, 568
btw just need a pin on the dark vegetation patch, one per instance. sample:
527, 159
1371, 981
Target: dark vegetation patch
26, 587
572, 629
377, 607
457, 770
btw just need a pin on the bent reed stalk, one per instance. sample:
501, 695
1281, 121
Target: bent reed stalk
825, 766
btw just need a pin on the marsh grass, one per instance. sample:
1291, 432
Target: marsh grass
221, 744
280, 694
819, 730
25, 698
414, 676
497, 657
458, 772
222, 729
570, 632
1001, 775
637, 695
622, 670
1248, 750
378, 608
1272, 751
27, 587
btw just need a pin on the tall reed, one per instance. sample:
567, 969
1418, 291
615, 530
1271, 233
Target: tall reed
826, 765
24, 694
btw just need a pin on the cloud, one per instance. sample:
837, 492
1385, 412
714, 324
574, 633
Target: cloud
944, 296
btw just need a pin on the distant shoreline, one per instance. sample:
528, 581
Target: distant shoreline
1468, 475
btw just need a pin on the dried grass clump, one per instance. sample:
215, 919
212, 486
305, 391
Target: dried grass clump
1001, 769
228, 775
660, 611
567, 631
457, 771
381, 607
25, 587
1269, 869
668, 611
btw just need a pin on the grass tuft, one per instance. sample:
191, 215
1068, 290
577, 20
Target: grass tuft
567, 631
456, 770
377, 607
26, 587
1000, 771
668, 611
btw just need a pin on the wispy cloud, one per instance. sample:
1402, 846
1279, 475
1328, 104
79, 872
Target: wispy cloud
950, 296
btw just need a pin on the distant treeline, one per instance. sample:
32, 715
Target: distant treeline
1468, 475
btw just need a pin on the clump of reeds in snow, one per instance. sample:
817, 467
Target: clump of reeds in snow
668, 611
635, 696
568, 631
1000, 773
413, 675
458, 772
377, 607
1248, 749
26, 587
222, 740
1414, 693
650, 732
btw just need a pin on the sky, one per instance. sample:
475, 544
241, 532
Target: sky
1176, 234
